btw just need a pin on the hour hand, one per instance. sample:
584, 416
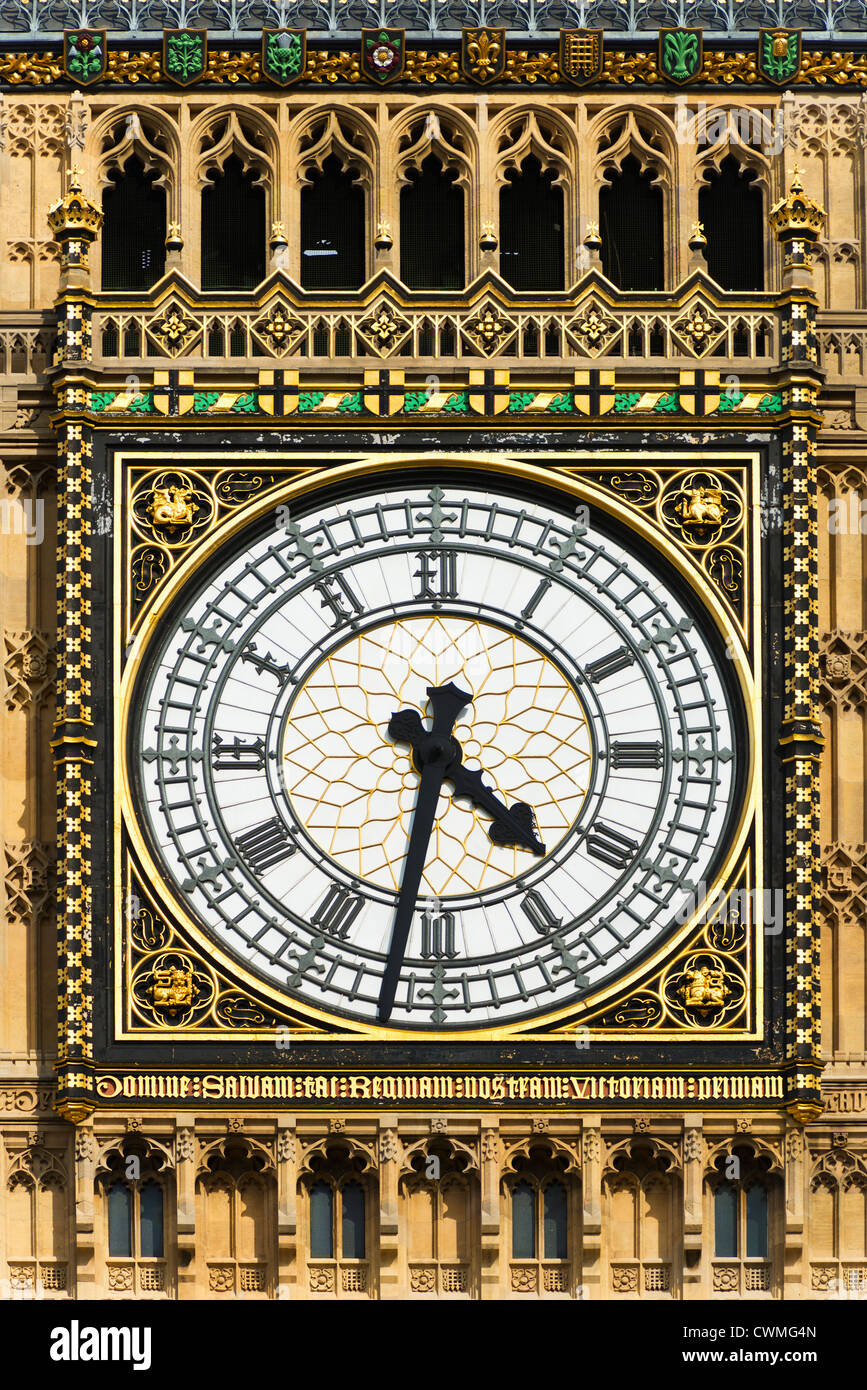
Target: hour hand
405, 726
512, 825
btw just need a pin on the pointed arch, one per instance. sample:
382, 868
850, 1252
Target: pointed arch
133, 239
731, 209
233, 228
333, 154
235, 167
431, 197
532, 244
631, 226
137, 156
332, 228
536, 160
634, 179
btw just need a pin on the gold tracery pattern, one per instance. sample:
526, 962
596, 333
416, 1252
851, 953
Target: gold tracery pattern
355, 790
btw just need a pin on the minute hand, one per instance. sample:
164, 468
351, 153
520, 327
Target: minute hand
513, 825
435, 751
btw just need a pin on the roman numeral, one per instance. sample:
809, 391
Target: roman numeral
265, 845
337, 911
539, 913
438, 935
540, 593
636, 755
266, 663
606, 666
241, 754
610, 846
437, 574
337, 601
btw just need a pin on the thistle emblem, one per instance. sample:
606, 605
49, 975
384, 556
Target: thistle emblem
779, 55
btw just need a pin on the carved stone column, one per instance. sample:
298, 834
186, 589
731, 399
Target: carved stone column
591, 1166
185, 1176
795, 1187
85, 1159
287, 1219
693, 1153
389, 1230
489, 1164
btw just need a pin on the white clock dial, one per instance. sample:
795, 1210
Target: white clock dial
281, 808
355, 792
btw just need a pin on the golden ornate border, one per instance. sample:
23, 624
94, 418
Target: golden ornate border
431, 67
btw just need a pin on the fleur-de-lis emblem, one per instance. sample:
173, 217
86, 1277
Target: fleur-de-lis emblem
483, 54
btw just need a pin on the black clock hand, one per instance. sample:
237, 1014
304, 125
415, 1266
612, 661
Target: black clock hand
512, 825
432, 754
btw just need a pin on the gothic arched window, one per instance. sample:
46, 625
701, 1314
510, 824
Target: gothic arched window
731, 208
134, 228
135, 1220
120, 1220
322, 1221
531, 228
332, 228
540, 1206
352, 1221
631, 226
554, 1214
432, 228
725, 1222
741, 1221
233, 228
523, 1222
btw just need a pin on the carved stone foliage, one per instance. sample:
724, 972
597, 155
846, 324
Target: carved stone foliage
844, 882
389, 1146
287, 1148
29, 668
843, 670
28, 877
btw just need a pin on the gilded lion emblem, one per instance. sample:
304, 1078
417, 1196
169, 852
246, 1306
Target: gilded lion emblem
171, 506
701, 506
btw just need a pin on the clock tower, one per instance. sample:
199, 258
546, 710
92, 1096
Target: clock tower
456, 738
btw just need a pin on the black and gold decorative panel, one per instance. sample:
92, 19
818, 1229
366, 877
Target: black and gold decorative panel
423, 754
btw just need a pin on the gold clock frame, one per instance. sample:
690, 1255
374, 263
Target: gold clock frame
563, 470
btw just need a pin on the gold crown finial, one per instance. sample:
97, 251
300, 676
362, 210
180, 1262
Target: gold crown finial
797, 215
74, 215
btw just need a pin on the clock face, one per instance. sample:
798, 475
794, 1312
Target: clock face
443, 754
